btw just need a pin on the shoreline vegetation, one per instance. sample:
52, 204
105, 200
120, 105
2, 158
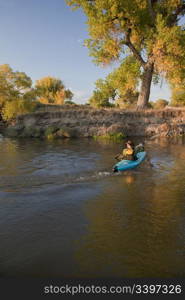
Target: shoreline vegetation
68, 121
147, 45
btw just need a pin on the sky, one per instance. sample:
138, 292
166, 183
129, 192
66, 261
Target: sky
45, 38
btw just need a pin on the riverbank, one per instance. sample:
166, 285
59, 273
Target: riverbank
88, 122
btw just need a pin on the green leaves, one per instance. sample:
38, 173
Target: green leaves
120, 85
103, 93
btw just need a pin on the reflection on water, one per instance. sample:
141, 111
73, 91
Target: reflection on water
64, 213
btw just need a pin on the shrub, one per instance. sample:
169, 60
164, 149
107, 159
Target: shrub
178, 97
70, 102
160, 104
17, 107
150, 104
50, 132
111, 136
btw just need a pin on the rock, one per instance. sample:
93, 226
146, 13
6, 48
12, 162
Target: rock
31, 132
11, 132
115, 128
67, 133
60, 133
50, 130
37, 132
27, 132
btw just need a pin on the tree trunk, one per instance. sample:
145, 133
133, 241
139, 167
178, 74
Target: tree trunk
145, 87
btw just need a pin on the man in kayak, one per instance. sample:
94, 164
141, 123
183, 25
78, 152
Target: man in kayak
128, 152
139, 148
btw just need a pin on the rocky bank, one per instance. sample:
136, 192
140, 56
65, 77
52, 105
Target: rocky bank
88, 122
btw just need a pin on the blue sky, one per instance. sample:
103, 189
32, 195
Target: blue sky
44, 37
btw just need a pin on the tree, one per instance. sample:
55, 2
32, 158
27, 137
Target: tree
17, 107
69, 102
68, 95
16, 93
178, 95
13, 85
120, 85
128, 100
52, 90
147, 30
102, 95
125, 81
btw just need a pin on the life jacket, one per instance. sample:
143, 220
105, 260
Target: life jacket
128, 151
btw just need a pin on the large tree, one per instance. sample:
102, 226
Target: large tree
148, 30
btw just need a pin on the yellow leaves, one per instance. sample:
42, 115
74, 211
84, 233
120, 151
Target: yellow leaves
114, 9
43, 100
172, 4
98, 31
112, 46
59, 97
135, 38
142, 4
158, 48
5, 69
178, 94
120, 14
168, 50
17, 107
104, 51
52, 90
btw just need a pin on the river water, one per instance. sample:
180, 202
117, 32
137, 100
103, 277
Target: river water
63, 213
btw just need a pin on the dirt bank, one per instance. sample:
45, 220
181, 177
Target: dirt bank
88, 122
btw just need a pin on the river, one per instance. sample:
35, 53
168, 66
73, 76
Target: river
63, 213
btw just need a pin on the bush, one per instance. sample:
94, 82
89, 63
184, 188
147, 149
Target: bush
70, 102
111, 136
178, 97
17, 107
160, 104
50, 132
150, 105
127, 100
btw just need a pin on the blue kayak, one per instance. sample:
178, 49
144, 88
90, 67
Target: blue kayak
129, 164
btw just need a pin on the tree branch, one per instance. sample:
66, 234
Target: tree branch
129, 43
173, 18
133, 49
151, 11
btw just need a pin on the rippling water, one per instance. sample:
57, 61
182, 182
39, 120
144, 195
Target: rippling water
64, 213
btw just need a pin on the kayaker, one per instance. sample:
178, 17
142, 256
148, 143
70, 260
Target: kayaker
139, 148
128, 152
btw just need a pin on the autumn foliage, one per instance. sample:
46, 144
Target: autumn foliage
148, 32
19, 96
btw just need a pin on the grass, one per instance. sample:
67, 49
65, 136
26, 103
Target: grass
116, 137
